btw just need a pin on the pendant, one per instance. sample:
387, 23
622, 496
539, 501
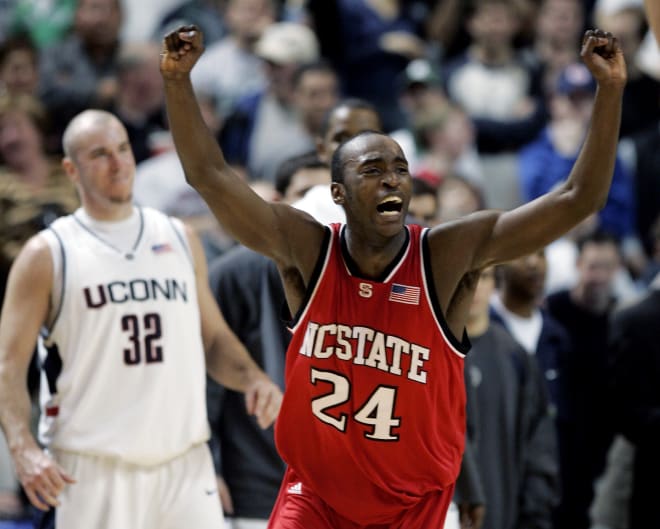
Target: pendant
129, 256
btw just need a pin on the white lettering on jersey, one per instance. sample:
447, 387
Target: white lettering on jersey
365, 346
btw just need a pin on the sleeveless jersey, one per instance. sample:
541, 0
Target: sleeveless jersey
373, 416
123, 361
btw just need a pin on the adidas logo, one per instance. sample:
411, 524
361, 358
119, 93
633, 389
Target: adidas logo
296, 488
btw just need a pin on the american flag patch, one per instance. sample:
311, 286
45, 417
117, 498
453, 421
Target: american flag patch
161, 248
404, 294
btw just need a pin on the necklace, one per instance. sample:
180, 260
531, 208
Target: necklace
130, 255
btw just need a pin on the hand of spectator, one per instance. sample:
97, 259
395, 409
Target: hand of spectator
225, 496
472, 516
402, 43
263, 399
42, 478
181, 49
603, 56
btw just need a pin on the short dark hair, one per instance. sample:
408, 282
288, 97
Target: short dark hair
19, 41
352, 103
291, 166
336, 165
317, 66
422, 187
598, 236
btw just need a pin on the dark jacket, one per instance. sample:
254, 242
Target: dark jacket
248, 289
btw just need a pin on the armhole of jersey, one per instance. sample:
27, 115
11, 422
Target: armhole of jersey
460, 347
47, 329
179, 230
315, 279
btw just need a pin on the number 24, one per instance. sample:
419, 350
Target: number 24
377, 412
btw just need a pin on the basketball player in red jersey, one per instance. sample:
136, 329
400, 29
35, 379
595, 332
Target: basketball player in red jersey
372, 422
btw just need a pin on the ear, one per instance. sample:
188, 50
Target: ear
70, 169
338, 193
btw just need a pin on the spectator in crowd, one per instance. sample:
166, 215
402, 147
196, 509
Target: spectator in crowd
584, 312
635, 346
501, 91
456, 198
315, 92
420, 92
556, 42
514, 434
646, 188
242, 70
140, 104
448, 139
546, 161
80, 72
297, 175
641, 99
34, 189
369, 44
19, 66
423, 207
264, 129
516, 305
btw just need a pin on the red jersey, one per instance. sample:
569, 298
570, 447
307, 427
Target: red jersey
373, 416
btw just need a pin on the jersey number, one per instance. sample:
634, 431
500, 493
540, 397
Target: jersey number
377, 412
146, 340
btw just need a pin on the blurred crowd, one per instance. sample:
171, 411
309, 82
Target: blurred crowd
490, 103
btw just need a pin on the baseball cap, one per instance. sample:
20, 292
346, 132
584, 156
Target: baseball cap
419, 72
575, 78
288, 43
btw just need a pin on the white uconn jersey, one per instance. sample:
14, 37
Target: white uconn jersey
123, 362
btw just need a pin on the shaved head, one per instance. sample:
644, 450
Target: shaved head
82, 125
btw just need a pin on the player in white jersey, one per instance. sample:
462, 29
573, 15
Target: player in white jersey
121, 299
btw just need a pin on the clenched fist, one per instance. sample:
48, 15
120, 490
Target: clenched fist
181, 49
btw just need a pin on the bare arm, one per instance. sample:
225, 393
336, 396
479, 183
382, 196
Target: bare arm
265, 227
227, 359
501, 236
653, 16
24, 311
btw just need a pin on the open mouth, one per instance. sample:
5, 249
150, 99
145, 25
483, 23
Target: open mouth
390, 206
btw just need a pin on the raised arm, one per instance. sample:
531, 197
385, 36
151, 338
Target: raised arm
653, 16
227, 359
501, 236
265, 227
24, 311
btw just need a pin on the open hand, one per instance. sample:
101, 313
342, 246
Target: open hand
181, 49
602, 54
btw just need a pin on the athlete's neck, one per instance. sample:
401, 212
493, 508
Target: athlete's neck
371, 256
110, 213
